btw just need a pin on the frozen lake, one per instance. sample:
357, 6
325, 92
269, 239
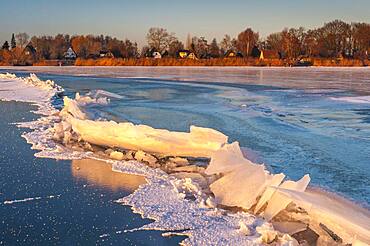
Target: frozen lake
296, 120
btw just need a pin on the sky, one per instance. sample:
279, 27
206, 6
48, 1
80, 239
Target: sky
208, 18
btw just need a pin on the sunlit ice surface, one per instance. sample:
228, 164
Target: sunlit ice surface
298, 121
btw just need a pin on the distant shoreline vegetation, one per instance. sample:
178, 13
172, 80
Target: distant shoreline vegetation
336, 43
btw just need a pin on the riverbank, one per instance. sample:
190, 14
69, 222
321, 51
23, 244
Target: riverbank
219, 62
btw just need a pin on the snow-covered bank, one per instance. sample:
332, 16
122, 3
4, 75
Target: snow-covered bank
29, 89
190, 188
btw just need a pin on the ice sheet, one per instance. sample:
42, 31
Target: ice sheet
165, 198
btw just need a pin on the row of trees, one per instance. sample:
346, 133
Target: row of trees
49, 47
334, 39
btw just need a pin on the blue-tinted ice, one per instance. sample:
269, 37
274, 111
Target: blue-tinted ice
287, 116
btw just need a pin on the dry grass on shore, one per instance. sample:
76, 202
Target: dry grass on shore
216, 62
320, 62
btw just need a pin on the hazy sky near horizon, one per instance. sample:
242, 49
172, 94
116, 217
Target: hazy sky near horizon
209, 18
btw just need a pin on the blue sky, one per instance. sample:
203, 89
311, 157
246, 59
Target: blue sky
209, 18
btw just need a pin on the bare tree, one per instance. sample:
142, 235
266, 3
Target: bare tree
22, 39
247, 40
360, 39
159, 38
334, 37
274, 41
226, 43
200, 47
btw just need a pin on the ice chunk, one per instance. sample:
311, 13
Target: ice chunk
289, 227
241, 187
8, 76
243, 181
228, 158
72, 108
142, 156
267, 194
199, 142
98, 93
267, 232
195, 177
244, 229
116, 155
83, 100
347, 220
279, 202
179, 161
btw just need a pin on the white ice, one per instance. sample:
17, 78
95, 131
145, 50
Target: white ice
198, 142
354, 99
348, 221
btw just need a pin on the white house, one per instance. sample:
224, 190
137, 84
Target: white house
70, 54
157, 55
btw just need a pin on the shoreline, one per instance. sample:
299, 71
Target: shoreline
213, 62
191, 66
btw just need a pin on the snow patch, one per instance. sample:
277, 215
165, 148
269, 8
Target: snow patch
9, 202
357, 99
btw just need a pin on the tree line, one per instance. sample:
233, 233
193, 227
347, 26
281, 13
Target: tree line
333, 39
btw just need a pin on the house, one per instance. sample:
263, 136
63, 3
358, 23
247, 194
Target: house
192, 56
156, 55
232, 54
186, 54
70, 54
106, 54
29, 50
183, 53
153, 53
29, 55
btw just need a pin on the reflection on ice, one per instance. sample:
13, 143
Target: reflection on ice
100, 173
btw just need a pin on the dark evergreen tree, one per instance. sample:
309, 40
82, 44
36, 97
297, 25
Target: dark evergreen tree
5, 46
255, 52
214, 50
13, 43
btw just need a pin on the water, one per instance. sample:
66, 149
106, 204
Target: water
287, 117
